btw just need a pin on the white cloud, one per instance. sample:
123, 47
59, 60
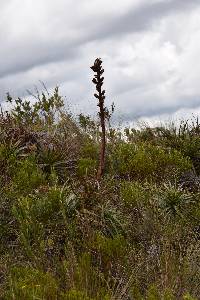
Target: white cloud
150, 51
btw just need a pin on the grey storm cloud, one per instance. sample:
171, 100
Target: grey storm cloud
149, 110
23, 55
149, 48
143, 17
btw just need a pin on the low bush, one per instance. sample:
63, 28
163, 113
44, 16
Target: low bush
147, 162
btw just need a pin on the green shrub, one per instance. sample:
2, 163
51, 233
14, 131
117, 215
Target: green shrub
109, 252
8, 163
168, 295
76, 295
188, 297
184, 138
87, 167
89, 150
7, 224
146, 161
87, 164
153, 293
88, 280
110, 248
45, 221
174, 201
28, 176
31, 232
44, 110
135, 292
27, 283
134, 194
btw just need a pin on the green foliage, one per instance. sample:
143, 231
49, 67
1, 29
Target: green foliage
174, 200
44, 109
88, 281
34, 215
184, 138
27, 283
51, 161
134, 193
188, 297
87, 124
30, 229
65, 236
168, 295
7, 224
89, 150
153, 293
135, 292
76, 295
28, 176
146, 161
110, 248
86, 166
8, 162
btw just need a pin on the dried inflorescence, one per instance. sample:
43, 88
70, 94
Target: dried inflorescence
100, 95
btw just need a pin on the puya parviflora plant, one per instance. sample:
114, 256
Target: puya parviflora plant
100, 95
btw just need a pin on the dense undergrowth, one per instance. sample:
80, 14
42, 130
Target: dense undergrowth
136, 235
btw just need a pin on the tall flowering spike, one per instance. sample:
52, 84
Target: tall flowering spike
100, 95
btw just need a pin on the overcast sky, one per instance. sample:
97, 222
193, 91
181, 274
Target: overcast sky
150, 50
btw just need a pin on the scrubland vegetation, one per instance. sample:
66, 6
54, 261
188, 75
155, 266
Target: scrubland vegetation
132, 234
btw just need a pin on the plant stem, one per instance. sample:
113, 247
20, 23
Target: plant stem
98, 81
